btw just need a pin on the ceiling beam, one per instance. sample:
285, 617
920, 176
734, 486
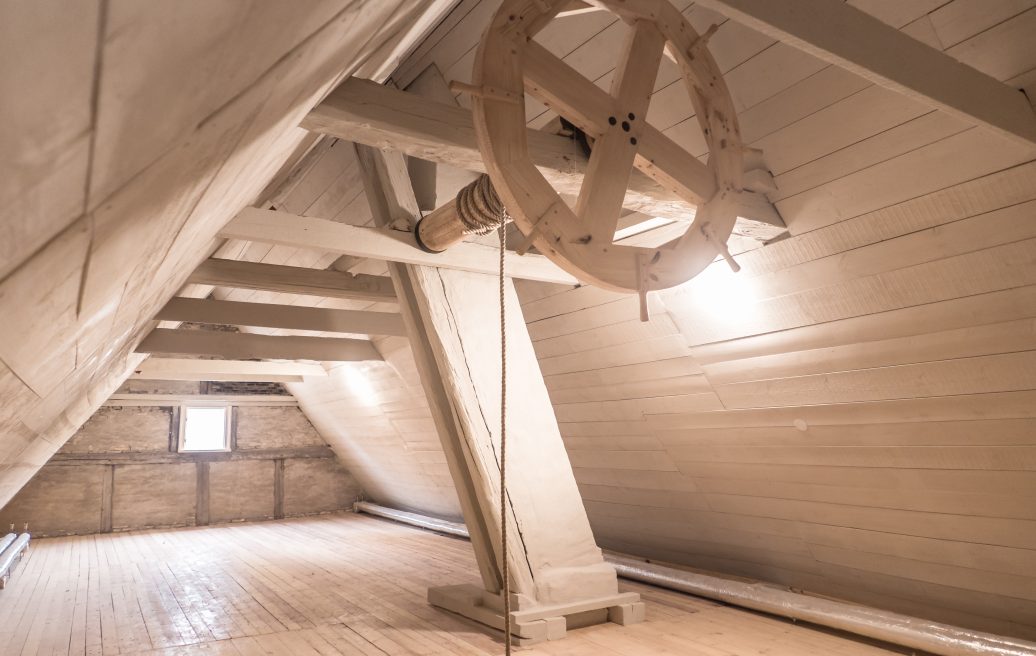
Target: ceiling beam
286, 229
383, 117
290, 317
293, 280
245, 346
225, 370
843, 35
132, 399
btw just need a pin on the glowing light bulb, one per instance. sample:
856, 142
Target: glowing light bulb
726, 296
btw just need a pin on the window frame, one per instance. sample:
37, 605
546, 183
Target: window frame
228, 415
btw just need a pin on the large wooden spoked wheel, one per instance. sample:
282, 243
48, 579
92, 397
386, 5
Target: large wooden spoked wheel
580, 239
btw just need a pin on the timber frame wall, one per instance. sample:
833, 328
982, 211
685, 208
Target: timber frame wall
122, 471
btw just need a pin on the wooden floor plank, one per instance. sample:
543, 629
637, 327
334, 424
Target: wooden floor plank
323, 586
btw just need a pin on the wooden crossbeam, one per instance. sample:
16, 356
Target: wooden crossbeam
152, 458
381, 244
225, 370
856, 41
244, 346
291, 317
383, 117
293, 280
145, 400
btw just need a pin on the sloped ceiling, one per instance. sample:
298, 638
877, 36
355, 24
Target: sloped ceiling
130, 133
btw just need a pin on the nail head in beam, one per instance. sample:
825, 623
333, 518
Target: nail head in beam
244, 346
290, 317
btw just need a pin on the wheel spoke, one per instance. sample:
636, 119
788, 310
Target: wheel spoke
611, 162
672, 167
636, 72
561, 87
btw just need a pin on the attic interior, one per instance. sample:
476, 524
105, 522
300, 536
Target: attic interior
758, 375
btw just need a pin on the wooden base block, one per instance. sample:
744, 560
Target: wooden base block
534, 624
627, 613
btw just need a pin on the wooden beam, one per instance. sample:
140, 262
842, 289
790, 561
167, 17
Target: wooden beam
444, 410
138, 458
291, 317
458, 362
383, 117
177, 399
856, 41
381, 244
225, 370
244, 346
293, 280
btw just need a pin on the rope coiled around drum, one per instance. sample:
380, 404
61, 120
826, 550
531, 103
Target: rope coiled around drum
480, 208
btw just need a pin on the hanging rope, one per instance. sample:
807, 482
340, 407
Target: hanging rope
479, 208
503, 435
481, 211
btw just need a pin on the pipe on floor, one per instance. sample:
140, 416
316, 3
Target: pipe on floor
421, 521
914, 632
10, 555
6, 541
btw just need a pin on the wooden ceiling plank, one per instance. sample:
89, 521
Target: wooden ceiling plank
856, 41
382, 244
243, 346
293, 280
290, 317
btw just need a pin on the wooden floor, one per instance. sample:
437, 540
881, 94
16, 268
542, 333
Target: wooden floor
340, 584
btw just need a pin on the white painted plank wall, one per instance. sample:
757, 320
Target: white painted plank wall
898, 324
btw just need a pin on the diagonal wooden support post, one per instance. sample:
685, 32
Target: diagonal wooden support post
841, 34
557, 568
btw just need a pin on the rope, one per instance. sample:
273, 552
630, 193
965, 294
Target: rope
503, 436
479, 208
481, 211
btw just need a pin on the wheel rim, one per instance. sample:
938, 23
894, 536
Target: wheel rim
509, 64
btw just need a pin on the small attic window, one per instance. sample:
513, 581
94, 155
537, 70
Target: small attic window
204, 428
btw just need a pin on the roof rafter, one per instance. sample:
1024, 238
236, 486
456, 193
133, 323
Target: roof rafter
843, 35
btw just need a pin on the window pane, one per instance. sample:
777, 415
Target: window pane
205, 429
